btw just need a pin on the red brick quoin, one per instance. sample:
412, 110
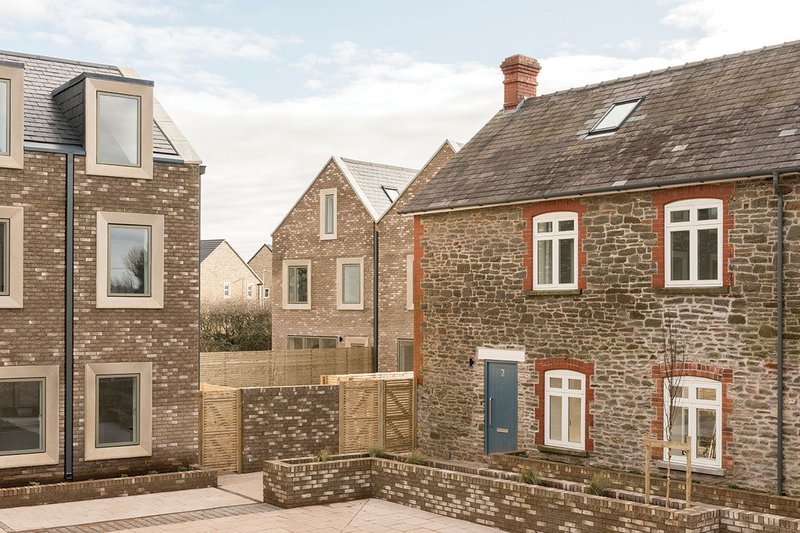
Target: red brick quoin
417, 289
539, 208
559, 363
661, 198
698, 370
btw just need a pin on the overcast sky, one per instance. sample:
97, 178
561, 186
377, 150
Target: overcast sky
267, 91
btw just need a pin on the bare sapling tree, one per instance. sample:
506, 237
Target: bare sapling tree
674, 360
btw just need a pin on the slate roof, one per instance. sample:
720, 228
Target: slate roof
44, 120
208, 246
734, 114
371, 177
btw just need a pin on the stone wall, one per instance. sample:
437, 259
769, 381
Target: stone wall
284, 422
472, 272
34, 335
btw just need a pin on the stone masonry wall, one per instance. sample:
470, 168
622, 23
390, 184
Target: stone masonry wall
285, 422
396, 242
222, 266
298, 238
473, 271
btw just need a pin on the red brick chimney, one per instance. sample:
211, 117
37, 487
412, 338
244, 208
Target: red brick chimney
520, 79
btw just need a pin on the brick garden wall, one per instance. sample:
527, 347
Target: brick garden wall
471, 289
284, 422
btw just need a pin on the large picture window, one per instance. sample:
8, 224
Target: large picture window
350, 283
28, 416
117, 410
693, 243
697, 412
297, 284
11, 261
565, 409
555, 251
129, 260
298, 342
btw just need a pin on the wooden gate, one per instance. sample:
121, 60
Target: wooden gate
221, 428
377, 412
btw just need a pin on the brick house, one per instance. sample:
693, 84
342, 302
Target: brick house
99, 278
225, 277
554, 249
324, 259
261, 263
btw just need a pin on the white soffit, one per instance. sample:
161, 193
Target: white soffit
498, 354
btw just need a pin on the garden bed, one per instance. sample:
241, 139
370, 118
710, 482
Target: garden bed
106, 488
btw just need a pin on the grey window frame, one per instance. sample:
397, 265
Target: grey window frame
595, 130
138, 100
399, 343
43, 413
137, 408
5, 237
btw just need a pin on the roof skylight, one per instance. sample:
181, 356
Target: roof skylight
616, 116
391, 192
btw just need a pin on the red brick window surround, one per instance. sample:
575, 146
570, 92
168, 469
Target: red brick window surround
586, 368
662, 198
697, 370
530, 211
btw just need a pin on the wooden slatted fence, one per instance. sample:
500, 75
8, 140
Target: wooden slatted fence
220, 428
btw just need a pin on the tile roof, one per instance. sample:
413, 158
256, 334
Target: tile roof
44, 120
208, 246
371, 177
710, 118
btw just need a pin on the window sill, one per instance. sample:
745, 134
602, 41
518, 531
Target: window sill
553, 292
711, 291
561, 451
696, 469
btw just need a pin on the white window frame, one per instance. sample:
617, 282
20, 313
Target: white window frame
144, 447
322, 211
555, 236
155, 300
340, 263
251, 287
285, 297
50, 454
14, 74
266, 292
692, 226
565, 393
226, 290
693, 404
136, 89
410, 282
13, 299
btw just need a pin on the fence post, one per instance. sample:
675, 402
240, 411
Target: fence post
382, 413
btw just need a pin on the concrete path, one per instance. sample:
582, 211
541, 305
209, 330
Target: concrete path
231, 507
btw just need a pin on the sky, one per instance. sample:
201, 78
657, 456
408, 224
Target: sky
266, 91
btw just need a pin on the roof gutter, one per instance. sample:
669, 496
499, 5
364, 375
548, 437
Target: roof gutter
779, 300
621, 187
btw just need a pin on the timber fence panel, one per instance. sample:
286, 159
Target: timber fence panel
220, 428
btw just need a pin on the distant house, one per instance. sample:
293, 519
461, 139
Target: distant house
261, 263
554, 251
225, 277
99, 275
324, 260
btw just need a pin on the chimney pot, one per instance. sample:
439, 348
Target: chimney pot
520, 73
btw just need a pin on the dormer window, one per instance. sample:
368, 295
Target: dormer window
613, 119
118, 133
11, 96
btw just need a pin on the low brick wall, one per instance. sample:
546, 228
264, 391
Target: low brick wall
106, 488
283, 422
299, 482
496, 498
709, 494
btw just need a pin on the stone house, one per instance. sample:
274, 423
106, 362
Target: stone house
324, 260
225, 277
261, 263
99, 275
553, 252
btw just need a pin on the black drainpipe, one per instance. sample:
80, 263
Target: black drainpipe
779, 335
68, 315
375, 262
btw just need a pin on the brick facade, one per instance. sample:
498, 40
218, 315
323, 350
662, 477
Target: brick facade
168, 337
222, 266
471, 273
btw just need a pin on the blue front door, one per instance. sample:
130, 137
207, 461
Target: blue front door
500, 418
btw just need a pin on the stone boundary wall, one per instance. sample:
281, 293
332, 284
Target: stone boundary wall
709, 494
283, 422
106, 488
495, 498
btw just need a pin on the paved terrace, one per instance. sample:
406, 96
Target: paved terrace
235, 506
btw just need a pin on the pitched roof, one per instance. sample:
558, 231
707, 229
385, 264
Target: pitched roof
267, 246
370, 178
208, 246
734, 114
44, 120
